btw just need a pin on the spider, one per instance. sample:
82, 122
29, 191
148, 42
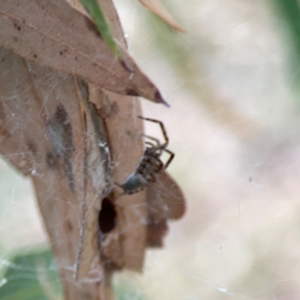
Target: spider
150, 164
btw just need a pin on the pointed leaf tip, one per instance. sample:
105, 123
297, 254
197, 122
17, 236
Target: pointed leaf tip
160, 11
160, 99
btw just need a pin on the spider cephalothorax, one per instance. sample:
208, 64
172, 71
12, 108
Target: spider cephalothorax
150, 164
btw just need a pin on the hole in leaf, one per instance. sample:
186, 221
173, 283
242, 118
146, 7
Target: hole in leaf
107, 216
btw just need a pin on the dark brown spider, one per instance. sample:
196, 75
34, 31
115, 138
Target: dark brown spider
150, 164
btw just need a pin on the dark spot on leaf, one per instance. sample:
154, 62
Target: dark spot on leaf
17, 26
60, 130
34, 55
68, 225
61, 53
84, 119
51, 160
32, 147
131, 92
128, 132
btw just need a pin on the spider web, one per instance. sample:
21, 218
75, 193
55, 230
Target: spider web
233, 125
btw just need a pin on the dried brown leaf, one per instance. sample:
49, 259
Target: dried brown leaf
165, 201
158, 9
165, 197
115, 245
124, 134
44, 134
53, 34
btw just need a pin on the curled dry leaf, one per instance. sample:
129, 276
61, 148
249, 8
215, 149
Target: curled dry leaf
124, 135
53, 34
50, 132
157, 8
118, 238
165, 201
47, 133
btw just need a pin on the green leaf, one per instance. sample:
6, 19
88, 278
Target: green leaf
31, 277
289, 13
126, 289
125, 293
98, 17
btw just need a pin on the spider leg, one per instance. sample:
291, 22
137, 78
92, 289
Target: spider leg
156, 164
172, 155
155, 147
152, 138
149, 143
162, 129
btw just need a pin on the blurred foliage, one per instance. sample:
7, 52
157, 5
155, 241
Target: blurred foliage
188, 55
181, 51
289, 12
32, 276
127, 293
175, 46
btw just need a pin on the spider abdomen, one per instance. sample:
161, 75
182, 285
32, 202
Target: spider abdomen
134, 183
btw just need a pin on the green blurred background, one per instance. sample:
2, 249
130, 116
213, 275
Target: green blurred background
232, 80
